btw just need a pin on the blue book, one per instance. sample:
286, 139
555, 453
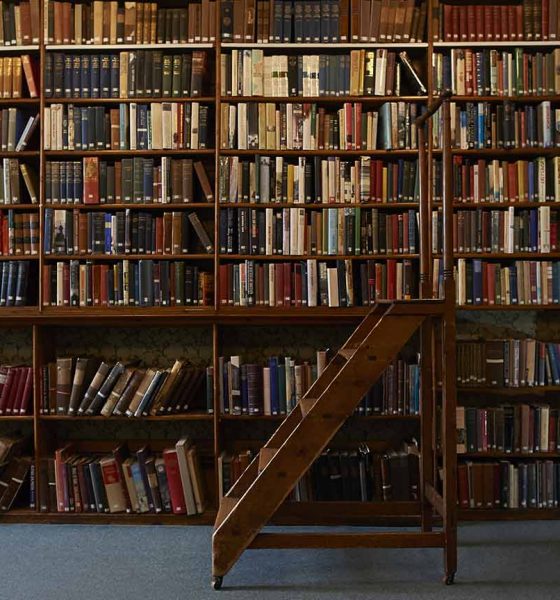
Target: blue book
477, 281
274, 398
332, 35
62, 182
78, 180
284, 402
556, 282
67, 81
105, 76
21, 282
76, 76
148, 179
4, 283
12, 279
480, 137
115, 74
85, 76
94, 75
84, 118
47, 230
463, 125
108, 239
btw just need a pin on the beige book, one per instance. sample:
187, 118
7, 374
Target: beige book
8, 74
129, 482
113, 9
123, 74
17, 18
139, 394
97, 21
166, 127
182, 448
113, 484
167, 386
196, 479
16, 77
30, 182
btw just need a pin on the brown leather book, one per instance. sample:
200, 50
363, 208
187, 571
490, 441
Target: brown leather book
35, 20
12, 479
204, 181
139, 26
91, 180
63, 384
167, 232
130, 22
355, 10
16, 78
25, 16
28, 71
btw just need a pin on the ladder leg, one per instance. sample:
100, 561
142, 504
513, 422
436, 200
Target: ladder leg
449, 442
427, 421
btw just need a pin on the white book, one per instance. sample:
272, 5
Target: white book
166, 126
332, 287
257, 83
234, 73
60, 284
267, 407
544, 229
195, 124
247, 73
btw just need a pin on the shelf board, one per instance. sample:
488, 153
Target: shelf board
509, 391
509, 307
16, 418
125, 316
529, 255
26, 48
498, 44
103, 47
20, 154
119, 153
166, 418
287, 257
113, 257
228, 417
523, 151
27, 206
9, 257
322, 205
510, 455
232, 315
507, 514
207, 518
504, 205
519, 98
323, 46
20, 102
326, 153
330, 99
126, 205
138, 100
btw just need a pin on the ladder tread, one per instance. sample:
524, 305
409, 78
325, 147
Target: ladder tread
227, 504
266, 454
305, 404
347, 353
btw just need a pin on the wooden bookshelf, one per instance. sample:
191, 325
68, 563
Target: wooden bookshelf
42, 320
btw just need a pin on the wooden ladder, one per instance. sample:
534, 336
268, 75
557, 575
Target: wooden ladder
305, 433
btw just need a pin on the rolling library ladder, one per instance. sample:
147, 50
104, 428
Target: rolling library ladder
305, 433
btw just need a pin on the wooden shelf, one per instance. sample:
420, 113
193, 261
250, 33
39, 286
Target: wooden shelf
508, 514
20, 154
127, 205
119, 153
120, 419
104, 47
112, 257
326, 153
138, 100
323, 46
509, 391
509, 307
504, 205
9, 257
26, 48
529, 98
19, 207
330, 99
228, 417
528, 255
91, 518
20, 102
498, 44
500, 152
510, 455
322, 205
17, 418
287, 257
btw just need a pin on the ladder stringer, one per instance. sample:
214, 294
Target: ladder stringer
303, 438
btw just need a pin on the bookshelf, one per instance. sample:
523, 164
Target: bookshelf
219, 321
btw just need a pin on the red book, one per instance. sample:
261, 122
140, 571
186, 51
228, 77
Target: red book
348, 117
287, 284
488, 23
7, 390
504, 23
391, 279
27, 394
471, 22
496, 20
545, 20
395, 226
223, 284
463, 485
96, 284
479, 21
519, 21
371, 281
491, 276
358, 125
174, 481
552, 424
12, 406
91, 180
463, 22
159, 235
448, 22
511, 24
378, 281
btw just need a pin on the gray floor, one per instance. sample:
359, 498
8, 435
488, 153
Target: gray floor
496, 561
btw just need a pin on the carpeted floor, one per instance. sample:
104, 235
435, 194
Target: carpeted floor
49, 562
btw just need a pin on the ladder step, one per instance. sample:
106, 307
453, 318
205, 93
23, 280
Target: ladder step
265, 456
227, 504
306, 404
347, 353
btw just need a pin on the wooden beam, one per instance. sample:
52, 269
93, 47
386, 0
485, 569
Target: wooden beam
433, 539
434, 498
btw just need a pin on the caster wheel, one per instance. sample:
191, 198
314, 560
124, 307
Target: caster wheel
217, 582
449, 579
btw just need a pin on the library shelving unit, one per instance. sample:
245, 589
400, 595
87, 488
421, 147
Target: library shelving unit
40, 332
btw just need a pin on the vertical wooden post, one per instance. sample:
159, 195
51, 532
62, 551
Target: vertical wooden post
449, 399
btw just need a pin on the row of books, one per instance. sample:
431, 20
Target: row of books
140, 481
523, 180
336, 231
11, 174
249, 72
504, 231
341, 283
81, 386
14, 282
123, 232
134, 74
507, 125
528, 20
19, 233
356, 474
16, 128
110, 22
13, 70
295, 126
16, 390
135, 180
508, 363
157, 126
491, 72
522, 428
521, 282
141, 283
508, 484
317, 180
326, 21
20, 23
